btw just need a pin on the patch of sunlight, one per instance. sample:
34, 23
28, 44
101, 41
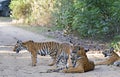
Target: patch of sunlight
9, 51
1, 46
24, 57
47, 56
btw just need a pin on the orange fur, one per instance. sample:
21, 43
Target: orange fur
113, 57
54, 48
83, 64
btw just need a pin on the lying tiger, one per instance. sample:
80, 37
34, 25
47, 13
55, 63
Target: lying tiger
54, 49
80, 61
113, 58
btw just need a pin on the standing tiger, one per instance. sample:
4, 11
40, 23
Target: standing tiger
113, 58
54, 49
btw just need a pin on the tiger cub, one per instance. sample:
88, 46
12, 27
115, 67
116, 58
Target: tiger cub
54, 49
80, 61
113, 58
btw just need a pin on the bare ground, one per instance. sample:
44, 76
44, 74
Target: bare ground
19, 65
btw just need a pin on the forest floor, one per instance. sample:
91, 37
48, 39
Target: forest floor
19, 65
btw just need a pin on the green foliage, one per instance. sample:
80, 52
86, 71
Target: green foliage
63, 13
41, 11
20, 9
90, 18
36, 12
116, 43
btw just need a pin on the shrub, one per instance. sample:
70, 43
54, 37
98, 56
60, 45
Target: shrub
90, 18
32, 11
20, 9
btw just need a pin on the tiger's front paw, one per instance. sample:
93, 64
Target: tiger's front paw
33, 64
52, 70
50, 64
49, 70
65, 71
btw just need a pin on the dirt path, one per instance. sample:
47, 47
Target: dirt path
19, 65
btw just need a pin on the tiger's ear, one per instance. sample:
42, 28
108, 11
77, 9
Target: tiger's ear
73, 43
31, 41
79, 48
111, 49
19, 41
86, 50
82, 48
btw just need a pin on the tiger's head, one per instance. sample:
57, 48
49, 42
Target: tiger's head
108, 52
77, 53
21, 45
